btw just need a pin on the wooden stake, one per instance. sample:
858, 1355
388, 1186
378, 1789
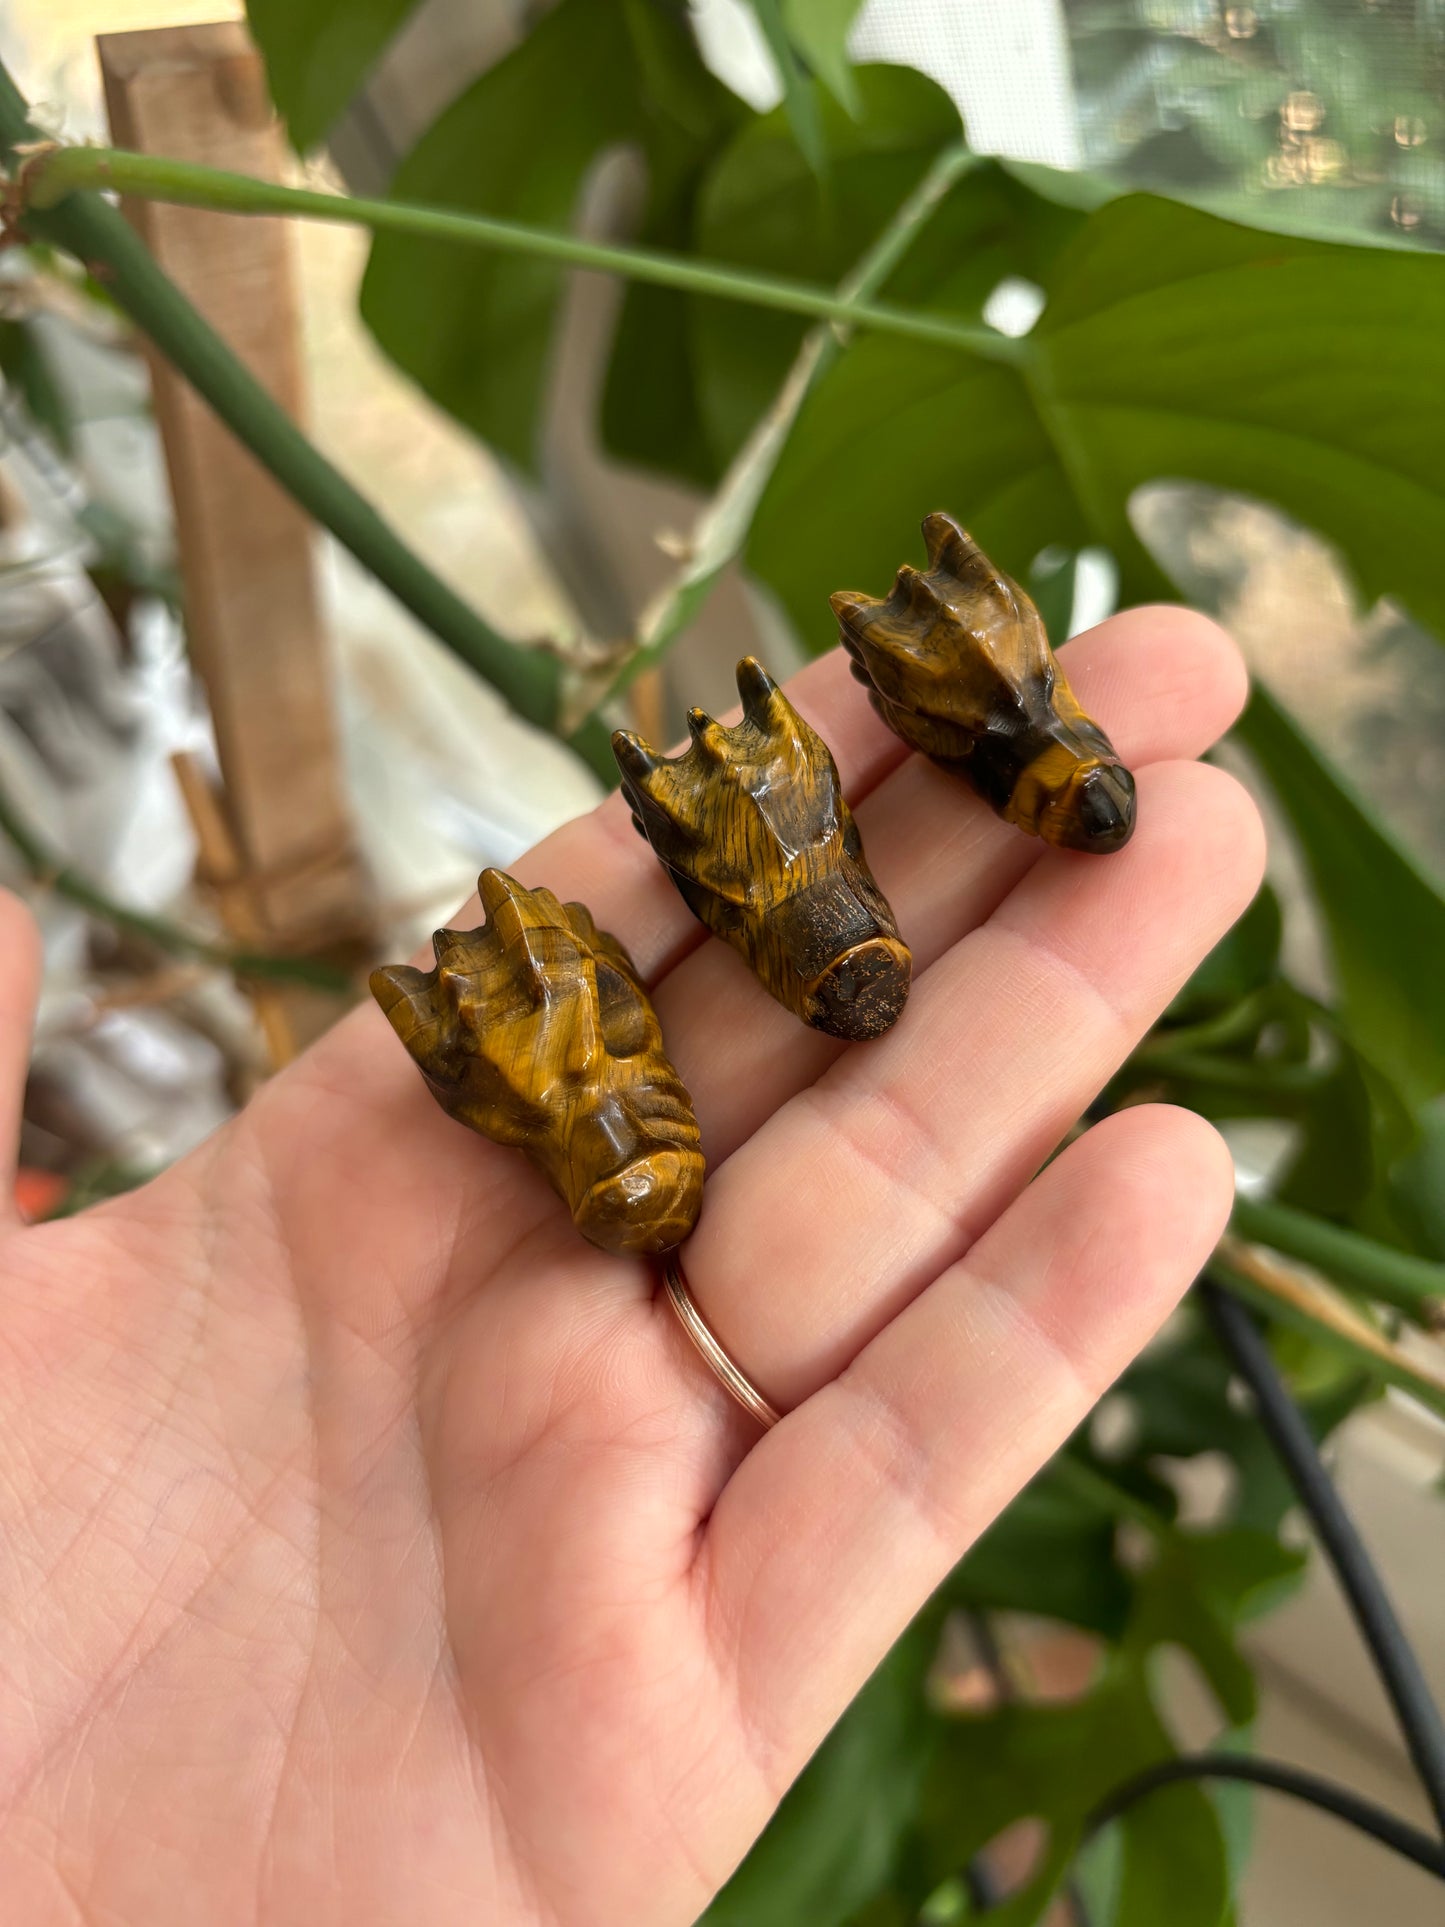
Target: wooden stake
252, 615
287, 1016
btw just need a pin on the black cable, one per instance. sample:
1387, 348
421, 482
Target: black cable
1412, 1842
1394, 1657
983, 1890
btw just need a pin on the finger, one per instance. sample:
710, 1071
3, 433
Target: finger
19, 989
906, 1151
839, 1524
1164, 682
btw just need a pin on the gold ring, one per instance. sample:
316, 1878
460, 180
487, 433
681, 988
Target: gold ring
698, 1330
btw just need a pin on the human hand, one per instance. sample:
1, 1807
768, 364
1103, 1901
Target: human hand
375, 1550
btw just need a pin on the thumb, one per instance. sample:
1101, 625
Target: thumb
19, 988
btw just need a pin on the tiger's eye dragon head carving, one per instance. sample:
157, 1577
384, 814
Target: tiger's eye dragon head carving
536, 1031
751, 825
958, 664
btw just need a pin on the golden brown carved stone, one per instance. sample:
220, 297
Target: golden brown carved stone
958, 663
751, 825
536, 1031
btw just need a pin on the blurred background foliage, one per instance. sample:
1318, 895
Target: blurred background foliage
1241, 103
1233, 305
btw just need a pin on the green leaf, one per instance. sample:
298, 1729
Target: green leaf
1341, 1160
1058, 1763
830, 1847
819, 30
1234, 1803
762, 208
475, 330
1175, 1864
1177, 1406
1050, 1553
1174, 344
650, 410
912, 432
800, 99
26, 369
1201, 1586
1384, 916
1310, 375
1419, 1183
1243, 961
1052, 581
317, 54
721, 531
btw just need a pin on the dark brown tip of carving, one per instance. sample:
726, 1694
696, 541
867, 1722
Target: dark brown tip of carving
637, 762
1101, 814
862, 993
757, 689
709, 738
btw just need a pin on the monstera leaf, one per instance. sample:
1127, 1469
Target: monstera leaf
903, 1793
763, 208
317, 54
1062, 1761
475, 330
819, 31
1385, 916
1174, 344
832, 1843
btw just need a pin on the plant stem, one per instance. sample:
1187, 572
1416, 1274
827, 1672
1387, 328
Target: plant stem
1236, 1073
98, 236
53, 173
1299, 1301
51, 872
1413, 1285
1231, 1026
723, 527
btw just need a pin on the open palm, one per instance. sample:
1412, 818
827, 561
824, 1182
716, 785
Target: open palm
374, 1550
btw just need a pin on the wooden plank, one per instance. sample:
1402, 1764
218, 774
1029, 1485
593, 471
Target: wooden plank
253, 619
